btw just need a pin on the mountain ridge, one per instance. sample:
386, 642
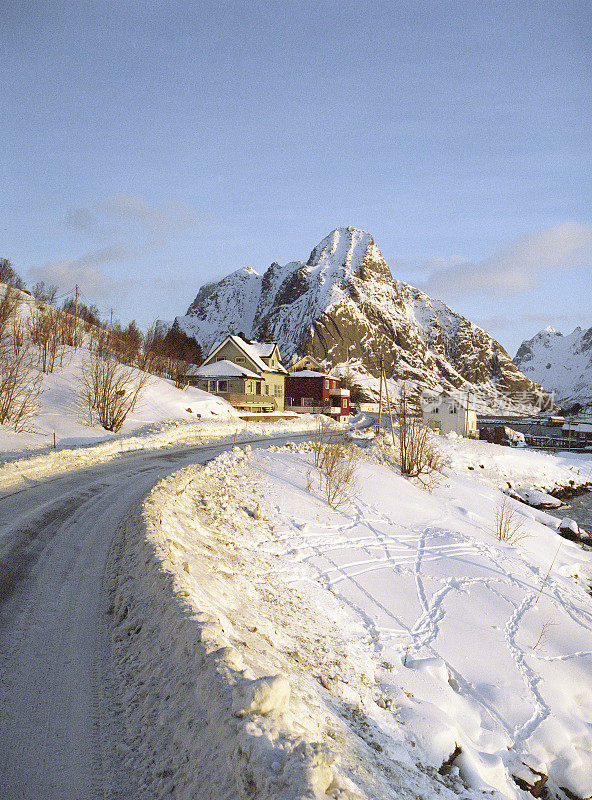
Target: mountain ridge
344, 307
562, 361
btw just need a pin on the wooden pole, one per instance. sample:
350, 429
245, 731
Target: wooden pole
76, 319
467, 415
388, 405
380, 397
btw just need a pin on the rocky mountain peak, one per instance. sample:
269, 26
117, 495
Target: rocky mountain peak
343, 307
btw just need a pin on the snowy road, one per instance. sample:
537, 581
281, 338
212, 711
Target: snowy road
52, 744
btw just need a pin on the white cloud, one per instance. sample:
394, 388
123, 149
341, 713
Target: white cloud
84, 271
517, 268
130, 217
126, 227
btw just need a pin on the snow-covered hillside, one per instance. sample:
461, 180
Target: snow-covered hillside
344, 307
394, 648
561, 363
60, 409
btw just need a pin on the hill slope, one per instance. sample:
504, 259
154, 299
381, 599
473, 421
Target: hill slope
344, 307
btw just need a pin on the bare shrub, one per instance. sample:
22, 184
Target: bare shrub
419, 456
337, 469
336, 461
319, 439
18, 333
548, 573
20, 384
509, 523
110, 389
544, 633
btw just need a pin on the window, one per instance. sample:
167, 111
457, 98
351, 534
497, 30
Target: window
223, 386
266, 388
278, 391
326, 384
240, 360
211, 386
220, 358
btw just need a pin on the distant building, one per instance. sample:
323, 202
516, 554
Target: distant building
317, 393
249, 375
306, 362
445, 414
577, 431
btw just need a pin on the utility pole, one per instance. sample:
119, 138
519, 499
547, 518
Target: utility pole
467, 414
111, 323
380, 397
76, 319
388, 405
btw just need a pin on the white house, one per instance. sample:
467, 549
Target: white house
445, 414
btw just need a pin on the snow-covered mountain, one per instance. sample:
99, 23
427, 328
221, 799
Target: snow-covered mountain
344, 307
562, 364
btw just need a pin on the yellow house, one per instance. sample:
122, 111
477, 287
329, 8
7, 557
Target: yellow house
249, 375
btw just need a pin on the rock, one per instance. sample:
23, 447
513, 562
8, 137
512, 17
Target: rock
531, 780
569, 529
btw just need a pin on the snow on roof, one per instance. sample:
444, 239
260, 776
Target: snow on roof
257, 351
264, 349
308, 373
222, 369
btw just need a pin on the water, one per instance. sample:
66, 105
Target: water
578, 508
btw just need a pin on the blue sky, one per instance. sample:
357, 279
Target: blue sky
150, 146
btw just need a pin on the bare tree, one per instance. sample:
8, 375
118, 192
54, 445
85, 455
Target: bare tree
9, 275
46, 332
20, 384
45, 294
419, 456
9, 304
110, 389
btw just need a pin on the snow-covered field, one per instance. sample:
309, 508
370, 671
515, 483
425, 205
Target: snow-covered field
394, 648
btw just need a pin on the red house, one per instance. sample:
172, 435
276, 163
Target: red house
317, 393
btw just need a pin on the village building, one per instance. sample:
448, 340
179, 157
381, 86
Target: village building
445, 414
577, 431
306, 362
248, 375
316, 393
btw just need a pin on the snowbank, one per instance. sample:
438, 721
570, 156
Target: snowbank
243, 677
17, 473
